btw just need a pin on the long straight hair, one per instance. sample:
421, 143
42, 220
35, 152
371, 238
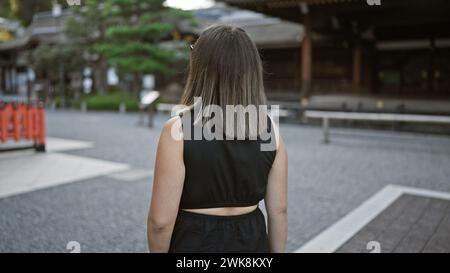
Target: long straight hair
225, 68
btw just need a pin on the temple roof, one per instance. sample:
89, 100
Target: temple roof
264, 30
283, 3
44, 27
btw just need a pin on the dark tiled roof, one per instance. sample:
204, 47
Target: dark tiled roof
283, 3
44, 27
265, 31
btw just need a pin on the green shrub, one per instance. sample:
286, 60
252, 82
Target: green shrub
111, 102
69, 102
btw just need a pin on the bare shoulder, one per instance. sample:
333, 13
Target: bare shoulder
172, 129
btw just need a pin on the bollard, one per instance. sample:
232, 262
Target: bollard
83, 107
151, 116
122, 108
326, 132
141, 115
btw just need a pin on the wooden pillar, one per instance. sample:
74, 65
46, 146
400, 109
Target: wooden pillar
5, 79
2, 81
431, 65
10, 80
357, 61
13, 72
306, 58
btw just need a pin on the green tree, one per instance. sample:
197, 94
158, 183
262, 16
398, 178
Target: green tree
84, 30
54, 62
134, 36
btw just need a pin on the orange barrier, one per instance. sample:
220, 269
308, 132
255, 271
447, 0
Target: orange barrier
19, 121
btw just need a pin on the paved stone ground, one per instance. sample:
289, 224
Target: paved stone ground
411, 224
107, 214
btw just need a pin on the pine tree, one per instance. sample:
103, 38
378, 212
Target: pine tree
133, 37
84, 30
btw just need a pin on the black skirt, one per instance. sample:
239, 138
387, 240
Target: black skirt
201, 233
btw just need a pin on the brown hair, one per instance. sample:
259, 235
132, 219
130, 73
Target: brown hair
224, 69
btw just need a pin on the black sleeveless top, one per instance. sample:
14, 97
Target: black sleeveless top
224, 173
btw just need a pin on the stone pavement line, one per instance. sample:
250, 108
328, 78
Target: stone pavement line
38, 171
53, 144
61, 144
132, 175
336, 235
25, 171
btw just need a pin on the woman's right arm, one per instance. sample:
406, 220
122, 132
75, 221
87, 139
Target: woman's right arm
276, 200
167, 187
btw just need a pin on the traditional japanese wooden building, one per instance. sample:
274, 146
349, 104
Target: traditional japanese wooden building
386, 48
15, 78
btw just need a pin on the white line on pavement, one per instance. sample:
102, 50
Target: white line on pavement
132, 175
27, 173
336, 235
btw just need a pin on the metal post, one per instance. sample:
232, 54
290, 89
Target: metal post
122, 108
40, 111
141, 114
83, 107
326, 133
151, 115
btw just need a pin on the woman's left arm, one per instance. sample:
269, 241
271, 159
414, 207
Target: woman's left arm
167, 187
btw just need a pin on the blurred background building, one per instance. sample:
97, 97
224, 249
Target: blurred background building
396, 51
339, 55
399, 48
